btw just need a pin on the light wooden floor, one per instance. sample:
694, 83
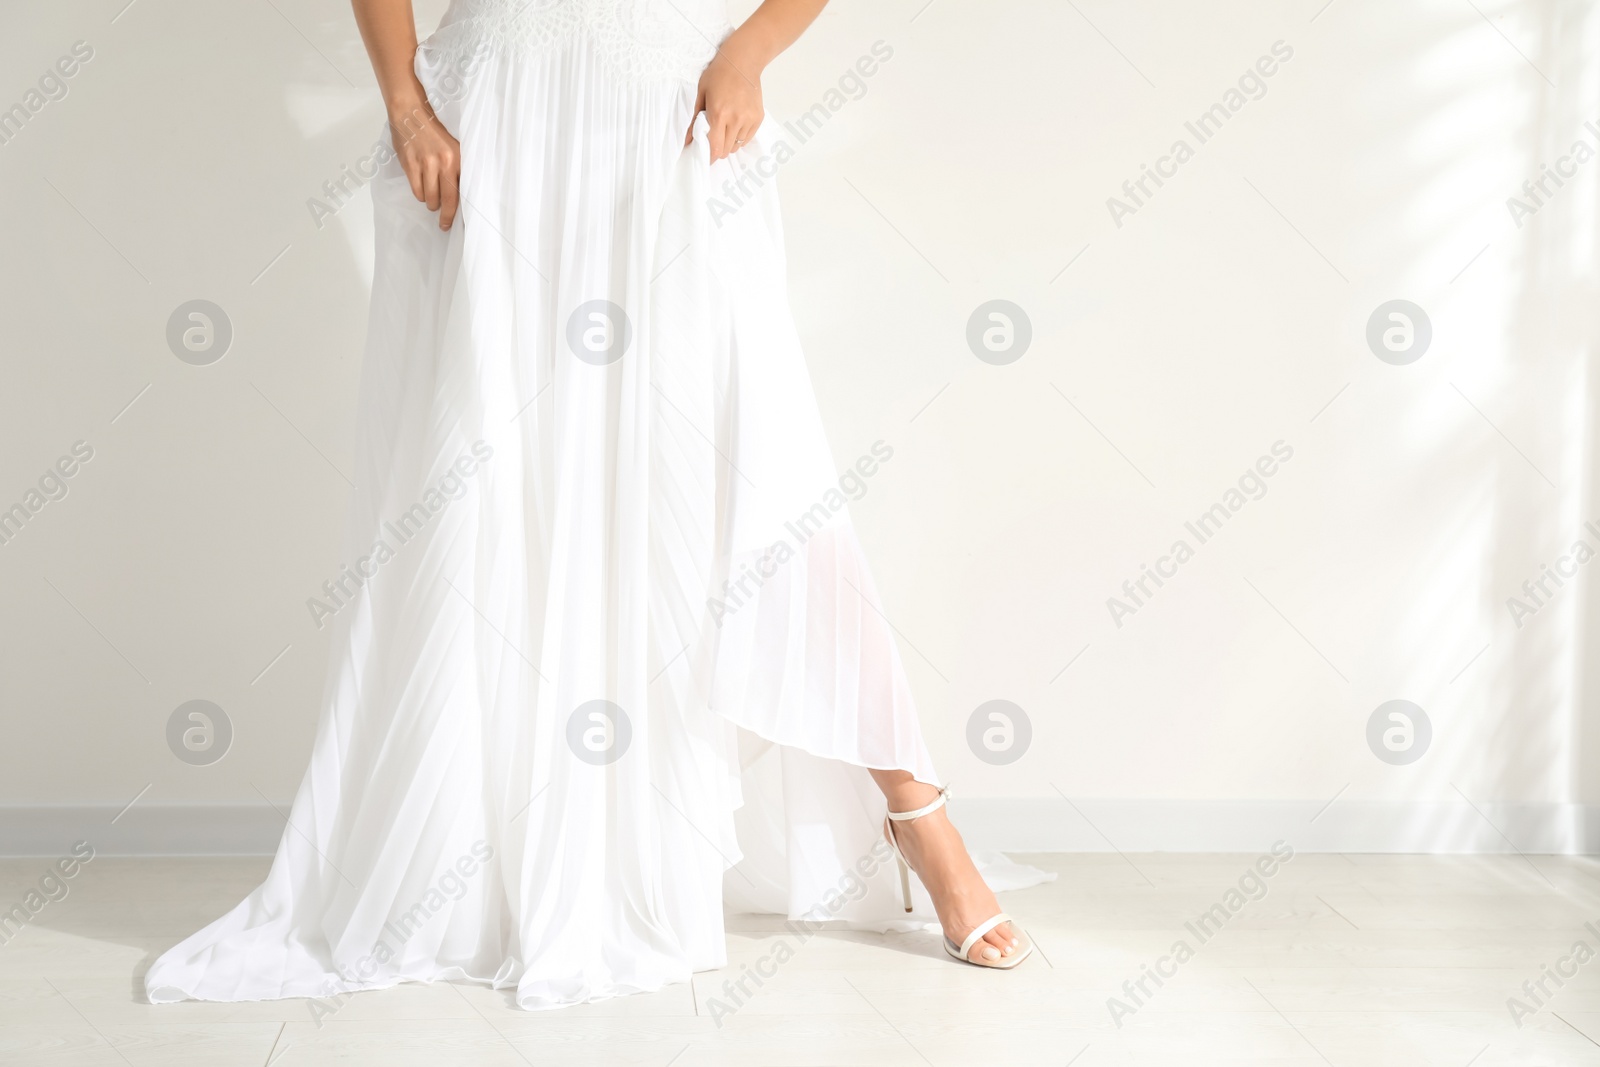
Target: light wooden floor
1353, 961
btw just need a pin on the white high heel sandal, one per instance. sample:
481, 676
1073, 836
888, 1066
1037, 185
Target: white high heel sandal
1004, 963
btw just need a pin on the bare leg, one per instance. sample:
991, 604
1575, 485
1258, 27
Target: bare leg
935, 850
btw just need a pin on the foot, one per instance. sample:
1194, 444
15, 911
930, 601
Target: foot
960, 896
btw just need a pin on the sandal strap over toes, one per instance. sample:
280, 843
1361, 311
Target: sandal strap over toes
981, 929
1004, 963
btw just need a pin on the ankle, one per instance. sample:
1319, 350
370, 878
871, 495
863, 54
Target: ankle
909, 795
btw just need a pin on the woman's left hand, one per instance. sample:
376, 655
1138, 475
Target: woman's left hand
730, 95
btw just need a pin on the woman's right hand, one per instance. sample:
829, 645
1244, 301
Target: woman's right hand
431, 158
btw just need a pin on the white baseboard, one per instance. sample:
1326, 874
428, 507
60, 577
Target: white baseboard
1046, 824
1054, 825
142, 830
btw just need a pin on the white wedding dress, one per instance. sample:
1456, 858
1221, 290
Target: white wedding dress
606, 657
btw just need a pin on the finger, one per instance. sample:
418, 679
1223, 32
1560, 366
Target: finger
699, 106
430, 183
714, 136
450, 184
450, 197
413, 168
722, 139
450, 192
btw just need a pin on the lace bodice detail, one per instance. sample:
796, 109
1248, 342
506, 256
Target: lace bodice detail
642, 40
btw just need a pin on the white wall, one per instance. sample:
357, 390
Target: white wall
1226, 315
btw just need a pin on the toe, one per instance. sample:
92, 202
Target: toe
994, 945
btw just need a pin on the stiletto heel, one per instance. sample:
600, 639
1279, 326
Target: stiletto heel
1023, 942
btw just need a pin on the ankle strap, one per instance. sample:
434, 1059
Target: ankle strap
938, 802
